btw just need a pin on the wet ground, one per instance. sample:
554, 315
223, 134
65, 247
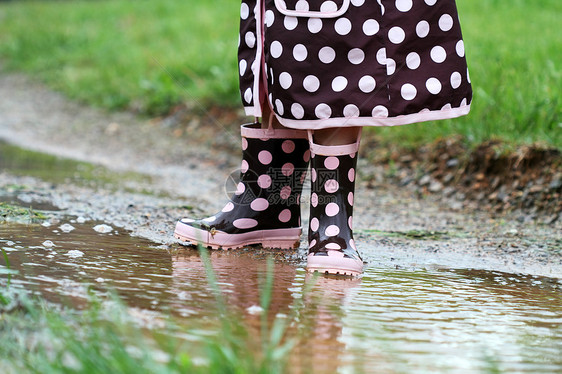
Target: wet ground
444, 290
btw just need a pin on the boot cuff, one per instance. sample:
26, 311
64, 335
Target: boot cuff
254, 131
334, 150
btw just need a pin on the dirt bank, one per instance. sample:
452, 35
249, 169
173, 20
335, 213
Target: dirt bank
418, 225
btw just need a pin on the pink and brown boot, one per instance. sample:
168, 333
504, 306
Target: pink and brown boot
265, 209
332, 249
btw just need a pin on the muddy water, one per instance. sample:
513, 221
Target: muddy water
405, 320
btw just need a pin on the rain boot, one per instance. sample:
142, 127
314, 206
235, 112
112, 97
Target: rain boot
332, 249
265, 209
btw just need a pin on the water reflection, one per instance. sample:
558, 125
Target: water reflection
452, 320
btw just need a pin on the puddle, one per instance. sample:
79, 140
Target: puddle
446, 321
22, 162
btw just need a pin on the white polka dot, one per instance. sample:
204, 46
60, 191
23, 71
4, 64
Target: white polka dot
332, 209
244, 166
403, 5
323, 111
380, 112
314, 25
288, 146
260, 204
245, 223
445, 22
269, 18
287, 169
188, 220
357, 2
311, 83
370, 27
290, 23
297, 111
467, 75
228, 207
327, 54
333, 246
460, 48
279, 107
331, 163
285, 215
285, 192
332, 230
314, 224
381, 56
313, 174
422, 29
264, 181
312, 243
343, 26
433, 85
240, 188
302, 5
350, 198
210, 219
285, 80
456, 79
314, 199
390, 66
413, 60
367, 84
242, 67
244, 144
351, 174
438, 54
331, 185
244, 11
300, 52
265, 157
339, 84
250, 39
248, 95
351, 111
351, 241
328, 7
396, 35
408, 91
356, 56
276, 49
430, 2
350, 224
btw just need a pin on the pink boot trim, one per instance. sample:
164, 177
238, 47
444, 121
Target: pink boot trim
335, 263
277, 238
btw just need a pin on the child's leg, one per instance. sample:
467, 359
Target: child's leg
333, 168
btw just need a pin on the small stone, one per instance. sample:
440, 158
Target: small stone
555, 184
255, 309
425, 180
100, 280
80, 219
66, 227
435, 186
103, 228
452, 163
48, 244
535, 189
46, 224
405, 181
74, 253
10, 243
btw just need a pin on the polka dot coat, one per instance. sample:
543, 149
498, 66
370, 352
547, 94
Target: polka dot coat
337, 63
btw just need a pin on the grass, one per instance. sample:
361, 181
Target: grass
103, 339
151, 56
13, 213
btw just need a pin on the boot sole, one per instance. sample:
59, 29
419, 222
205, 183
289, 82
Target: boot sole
334, 265
278, 238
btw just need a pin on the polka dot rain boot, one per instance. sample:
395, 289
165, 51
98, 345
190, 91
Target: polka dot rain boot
265, 209
332, 249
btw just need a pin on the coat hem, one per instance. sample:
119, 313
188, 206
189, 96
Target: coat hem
372, 121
